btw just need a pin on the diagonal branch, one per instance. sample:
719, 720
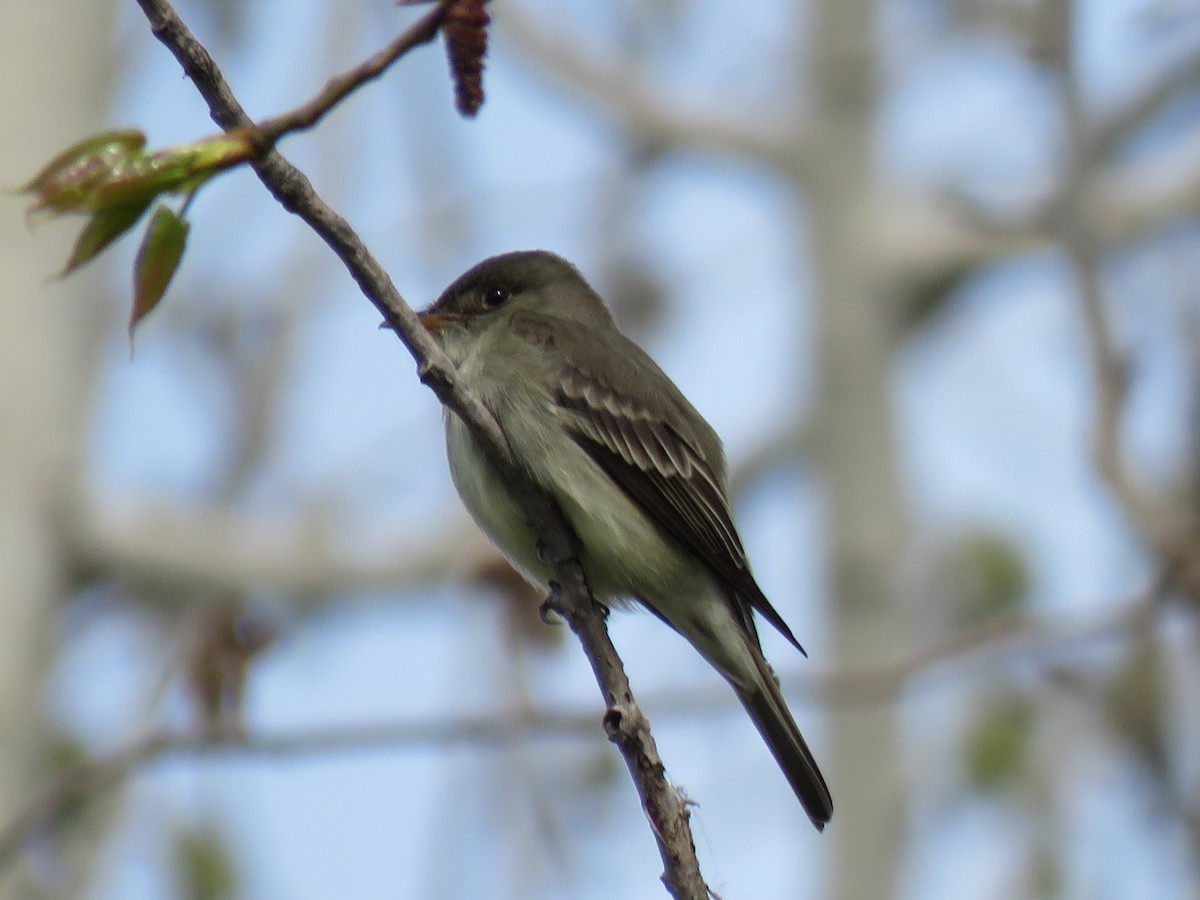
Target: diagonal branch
921, 237
1084, 249
1103, 139
626, 726
628, 95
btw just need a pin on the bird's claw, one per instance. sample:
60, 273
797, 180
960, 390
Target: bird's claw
551, 609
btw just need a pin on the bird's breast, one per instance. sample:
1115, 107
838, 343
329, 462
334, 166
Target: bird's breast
490, 502
624, 555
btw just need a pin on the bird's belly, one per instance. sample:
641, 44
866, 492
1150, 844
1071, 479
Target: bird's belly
492, 505
624, 555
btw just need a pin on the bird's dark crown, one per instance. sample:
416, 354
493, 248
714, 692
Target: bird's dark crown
519, 271
521, 274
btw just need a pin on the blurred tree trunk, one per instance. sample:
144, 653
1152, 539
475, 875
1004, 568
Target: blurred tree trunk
55, 61
863, 500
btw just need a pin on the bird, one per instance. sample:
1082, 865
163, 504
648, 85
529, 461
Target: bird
637, 471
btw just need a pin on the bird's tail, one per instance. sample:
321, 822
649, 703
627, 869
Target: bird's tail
765, 704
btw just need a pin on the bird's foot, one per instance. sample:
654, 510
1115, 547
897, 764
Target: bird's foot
553, 612
551, 609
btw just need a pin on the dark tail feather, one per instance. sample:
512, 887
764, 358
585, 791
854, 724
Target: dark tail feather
774, 722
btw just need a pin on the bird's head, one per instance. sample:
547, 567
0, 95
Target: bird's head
489, 294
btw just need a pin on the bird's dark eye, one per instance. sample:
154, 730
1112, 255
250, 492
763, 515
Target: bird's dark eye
494, 297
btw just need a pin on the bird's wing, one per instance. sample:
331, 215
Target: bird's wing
669, 479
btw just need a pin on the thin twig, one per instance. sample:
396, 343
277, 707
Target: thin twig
664, 807
1085, 252
341, 86
1003, 641
617, 87
1173, 81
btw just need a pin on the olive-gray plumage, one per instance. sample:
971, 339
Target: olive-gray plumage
635, 468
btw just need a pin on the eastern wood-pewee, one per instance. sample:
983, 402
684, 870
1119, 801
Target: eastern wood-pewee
635, 468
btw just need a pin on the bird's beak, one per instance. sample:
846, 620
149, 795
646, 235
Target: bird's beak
431, 320
434, 321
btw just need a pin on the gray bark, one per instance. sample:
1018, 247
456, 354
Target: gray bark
54, 60
864, 512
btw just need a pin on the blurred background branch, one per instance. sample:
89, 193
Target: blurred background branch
1007, 641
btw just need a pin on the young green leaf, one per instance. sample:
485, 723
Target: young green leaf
66, 183
101, 230
129, 139
157, 259
177, 170
114, 170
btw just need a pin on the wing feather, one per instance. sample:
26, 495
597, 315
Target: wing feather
670, 480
